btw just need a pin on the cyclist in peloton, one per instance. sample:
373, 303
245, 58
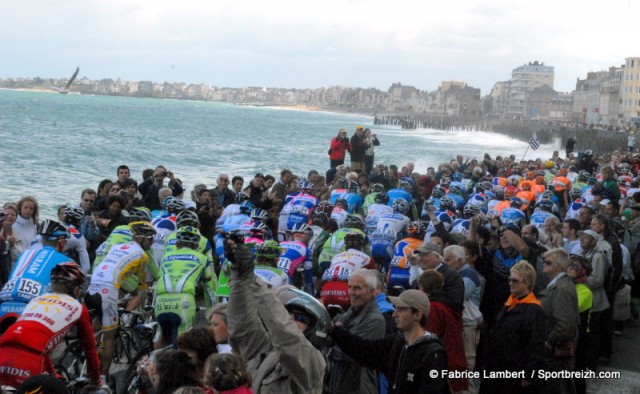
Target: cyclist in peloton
267, 254
26, 347
124, 269
31, 272
180, 272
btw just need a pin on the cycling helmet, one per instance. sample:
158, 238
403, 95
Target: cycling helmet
75, 213
510, 192
319, 219
349, 185
456, 177
516, 203
342, 202
382, 198
168, 200
68, 273
258, 227
50, 230
437, 192
416, 228
306, 308
563, 172
187, 218
324, 206
583, 176
407, 182
377, 188
447, 202
401, 205
471, 210
540, 180
300, 228
354, 221
246, 207
575, 192
592, 180
588, 153
526, 186
140, 214
354, 236
484, 186
545, 203
455, 189
549, 165
268, 250
240, 197
142, 229
3, 215
188, 235
499, 193
304, 184
445, 180
259, 214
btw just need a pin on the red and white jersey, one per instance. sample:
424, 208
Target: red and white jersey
346, 262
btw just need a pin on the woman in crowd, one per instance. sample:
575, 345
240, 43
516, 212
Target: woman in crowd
370, 141
227, 373
6, 231
560, 305
517, 339
112, 217
26, 224
199, 343
339, 148
219, 327
103, 193
171, 369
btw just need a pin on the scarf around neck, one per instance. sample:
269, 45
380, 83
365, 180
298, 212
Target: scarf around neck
530, 298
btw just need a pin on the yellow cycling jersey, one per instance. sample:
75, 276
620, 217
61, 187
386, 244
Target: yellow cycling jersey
121, 263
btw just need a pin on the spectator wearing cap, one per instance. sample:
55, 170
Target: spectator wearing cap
257, 192
358, 149
560, 305
429, 257
590, 243
406, 357
578, 270
362, 319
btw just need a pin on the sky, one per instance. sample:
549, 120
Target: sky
312, 44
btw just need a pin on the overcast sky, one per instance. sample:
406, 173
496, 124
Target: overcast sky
311, 44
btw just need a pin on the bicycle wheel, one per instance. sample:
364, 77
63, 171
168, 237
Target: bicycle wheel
71, 362
132, 380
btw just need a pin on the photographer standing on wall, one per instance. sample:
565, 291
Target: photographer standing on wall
339, 146
150, 187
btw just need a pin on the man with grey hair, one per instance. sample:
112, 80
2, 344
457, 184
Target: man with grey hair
364, 320
429, 257
222, 195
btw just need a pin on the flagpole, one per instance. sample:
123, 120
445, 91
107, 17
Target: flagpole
525, 152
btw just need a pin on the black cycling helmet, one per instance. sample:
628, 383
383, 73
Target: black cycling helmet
354, 221
50, 230
355, 238
142, 229
139, 214
306, 308
240, 197
73, 213
187, 218
381, 198
68, 273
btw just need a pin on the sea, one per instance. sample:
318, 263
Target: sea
52, 146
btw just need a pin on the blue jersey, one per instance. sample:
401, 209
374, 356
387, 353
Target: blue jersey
461, 226
459, 200
302, 207
234, 222
538, 217
397, 193
30, 278
513, 215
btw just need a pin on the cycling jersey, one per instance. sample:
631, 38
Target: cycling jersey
382, 242
296, 255
513, 215
461, 226
180, 272
339, 215
368, 201
538, 217
119, 235
124, 267
302, 207
272, 276
336, 277
459, 200
77, 243
29, 279
373, 215
397, 193
204, 246
574, 209
25, 348
393, 221
333, 246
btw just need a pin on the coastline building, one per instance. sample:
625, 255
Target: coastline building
523, 80
630, 93
596, 98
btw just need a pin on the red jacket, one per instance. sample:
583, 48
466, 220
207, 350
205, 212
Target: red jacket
447, 325
339, 148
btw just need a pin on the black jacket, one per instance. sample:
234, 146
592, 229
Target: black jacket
407, 367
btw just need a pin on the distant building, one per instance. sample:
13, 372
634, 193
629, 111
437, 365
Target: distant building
596, 98
523, 80
630, 93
